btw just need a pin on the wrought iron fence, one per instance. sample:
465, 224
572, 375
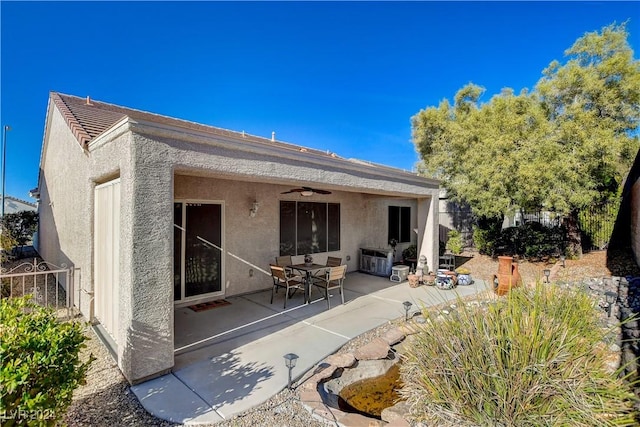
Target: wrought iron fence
48, 284
596, 223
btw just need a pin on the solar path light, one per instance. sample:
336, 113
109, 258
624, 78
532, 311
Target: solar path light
407, 305
290, 360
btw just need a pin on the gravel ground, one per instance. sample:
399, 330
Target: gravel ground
107, 401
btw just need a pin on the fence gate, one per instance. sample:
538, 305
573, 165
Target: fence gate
50, 285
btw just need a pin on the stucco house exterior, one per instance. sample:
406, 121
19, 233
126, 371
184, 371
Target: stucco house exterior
15, 205
158, 212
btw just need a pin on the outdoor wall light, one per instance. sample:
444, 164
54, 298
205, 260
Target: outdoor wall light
254, 209
407, 305
547, 273
610, 298
290, 360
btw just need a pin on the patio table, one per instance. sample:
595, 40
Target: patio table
309, 271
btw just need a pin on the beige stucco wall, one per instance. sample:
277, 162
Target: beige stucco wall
255, 241
67, 182
157, 166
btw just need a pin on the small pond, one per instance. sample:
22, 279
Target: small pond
366, 389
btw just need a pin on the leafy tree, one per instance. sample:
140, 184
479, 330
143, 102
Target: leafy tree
562, 147
19, 227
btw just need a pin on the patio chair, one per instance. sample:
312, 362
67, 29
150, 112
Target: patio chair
282, 279
447, 261
333, 279
284, 260
333, 261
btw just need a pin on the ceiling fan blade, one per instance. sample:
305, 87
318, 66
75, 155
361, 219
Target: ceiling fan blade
303, 189
293, 190
321, 191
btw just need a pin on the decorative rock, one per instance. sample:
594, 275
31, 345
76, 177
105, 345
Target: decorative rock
409, 329
309, 396
325, 373
357, 420
397, 411
345, 360
376, 349
322, 411
393, 336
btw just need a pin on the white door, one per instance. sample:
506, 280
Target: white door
106, 255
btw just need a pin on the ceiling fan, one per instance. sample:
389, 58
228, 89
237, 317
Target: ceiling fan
306, 191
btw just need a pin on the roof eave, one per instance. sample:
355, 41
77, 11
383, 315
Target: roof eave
290, 152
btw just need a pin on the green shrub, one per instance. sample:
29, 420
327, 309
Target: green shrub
40, 363
535, 357
455, 243
410, 252
597, 223
18, 228
482, 241
486, 233
532, 240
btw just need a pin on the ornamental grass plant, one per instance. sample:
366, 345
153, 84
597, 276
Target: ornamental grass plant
532, 358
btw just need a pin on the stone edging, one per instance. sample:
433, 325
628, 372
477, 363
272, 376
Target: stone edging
377, 349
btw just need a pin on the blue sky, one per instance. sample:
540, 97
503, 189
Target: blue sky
338, 76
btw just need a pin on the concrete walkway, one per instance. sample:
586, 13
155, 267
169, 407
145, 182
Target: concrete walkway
214, 379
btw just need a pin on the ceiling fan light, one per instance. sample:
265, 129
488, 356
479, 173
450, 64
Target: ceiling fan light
306, 193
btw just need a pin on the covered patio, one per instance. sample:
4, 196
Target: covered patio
250, 317
213, 379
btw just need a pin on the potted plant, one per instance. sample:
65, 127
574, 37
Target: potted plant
429, 279
464, 276
393, 243
410, 254
414, 280
308, 260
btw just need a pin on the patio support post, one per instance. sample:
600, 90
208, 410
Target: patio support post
428, 229
146, 297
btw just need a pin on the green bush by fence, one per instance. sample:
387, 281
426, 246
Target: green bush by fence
40, 363
455, 243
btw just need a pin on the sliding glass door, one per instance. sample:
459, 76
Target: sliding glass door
197, 250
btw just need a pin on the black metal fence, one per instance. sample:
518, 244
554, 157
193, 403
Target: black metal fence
596, 224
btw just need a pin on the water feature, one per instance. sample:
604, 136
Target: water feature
370, 396
365, 389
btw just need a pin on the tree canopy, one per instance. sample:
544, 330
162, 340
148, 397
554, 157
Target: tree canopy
19, 226
561, 147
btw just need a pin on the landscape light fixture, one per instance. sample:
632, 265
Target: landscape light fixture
290, 361
407, 305
547, 273
563, 258
610, 298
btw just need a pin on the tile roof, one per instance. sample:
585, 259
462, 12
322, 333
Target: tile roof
88, 118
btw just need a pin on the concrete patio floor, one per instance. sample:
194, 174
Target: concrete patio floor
216, 378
